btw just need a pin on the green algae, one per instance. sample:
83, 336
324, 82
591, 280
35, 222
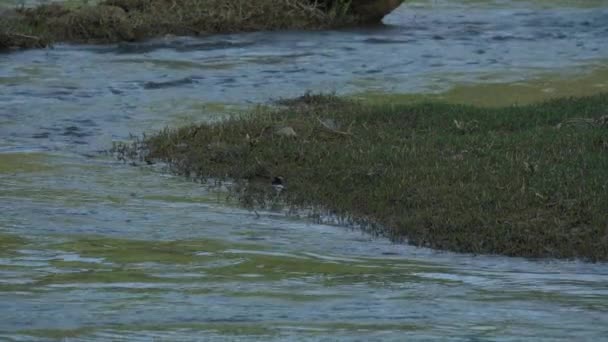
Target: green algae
190, 111
11, 163
176, 64
362, 327
76, 265
578, 82
271, 268
212, 197
123, 251
226, 329
519, 180
17, 288
215, 262
10, 243
591, 302
216, 108
59, 334
73, 198
14, 80
539, 89
292, 297
114, 275
235, 329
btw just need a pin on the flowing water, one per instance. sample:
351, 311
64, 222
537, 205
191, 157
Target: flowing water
93, 249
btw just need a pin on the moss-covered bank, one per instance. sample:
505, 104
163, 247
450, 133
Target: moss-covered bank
520, 181
131, 20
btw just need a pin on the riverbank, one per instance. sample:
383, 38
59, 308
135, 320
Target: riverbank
113, 21
519, 181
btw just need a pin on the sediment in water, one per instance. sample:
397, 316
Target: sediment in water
520, 181
131, 20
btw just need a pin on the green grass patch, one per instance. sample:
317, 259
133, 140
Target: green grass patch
111, 21
520, 181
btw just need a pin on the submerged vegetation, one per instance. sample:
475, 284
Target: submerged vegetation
131, 20
520, 181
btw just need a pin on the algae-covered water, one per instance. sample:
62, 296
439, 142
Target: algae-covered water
94, 249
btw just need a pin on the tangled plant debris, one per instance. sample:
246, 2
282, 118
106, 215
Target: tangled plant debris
517, 181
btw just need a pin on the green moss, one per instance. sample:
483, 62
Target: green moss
520, 181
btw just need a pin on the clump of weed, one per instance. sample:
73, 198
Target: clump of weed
466, 179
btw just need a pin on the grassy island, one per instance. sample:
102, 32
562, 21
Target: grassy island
111, 21
526, 181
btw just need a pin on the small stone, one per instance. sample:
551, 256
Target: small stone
330, 124
286, 132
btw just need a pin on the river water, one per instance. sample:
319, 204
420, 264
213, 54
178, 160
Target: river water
96, 250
